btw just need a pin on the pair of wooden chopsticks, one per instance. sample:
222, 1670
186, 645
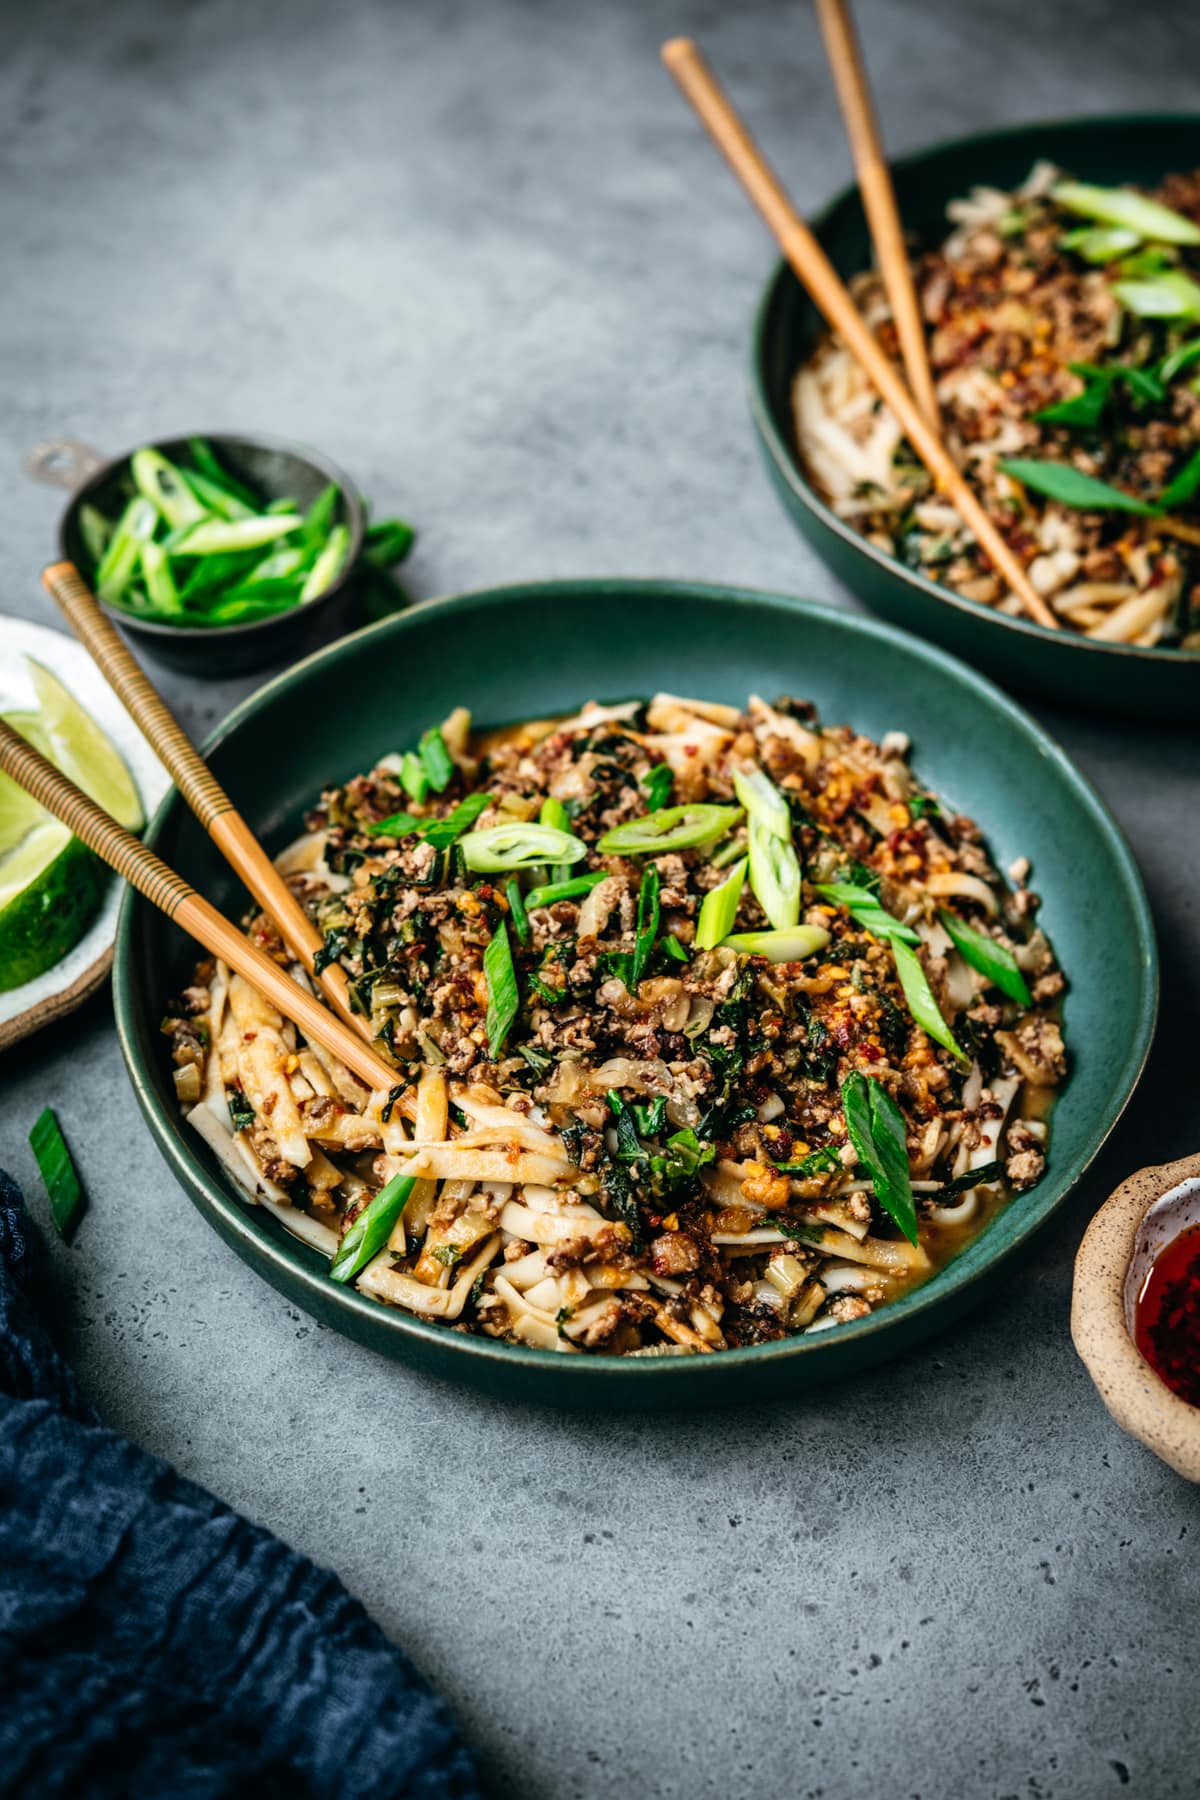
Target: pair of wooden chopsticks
342, 1032
914, 404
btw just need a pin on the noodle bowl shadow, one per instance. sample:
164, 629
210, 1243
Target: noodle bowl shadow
1060, 666
339, 710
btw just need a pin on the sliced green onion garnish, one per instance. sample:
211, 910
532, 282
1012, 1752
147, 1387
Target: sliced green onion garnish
413, 778
1100, 243
774, 875
160, 584
671, 948
441, 833
994, 960
520, 845
656, 784
564, 890
1183, 487
213, 536
516, 907
1118, 206
67, 1201
671, 828
134, 527
555, 814
165, 488
647, 925
439, 764
369, 1233
1171, 295
877, 1130
328, 566
921, 1003
1173, 365
780, 946
728, 852
763, 801
503, 998
864, 907
718, 909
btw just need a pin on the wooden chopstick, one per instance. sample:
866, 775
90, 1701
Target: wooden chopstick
194, 779
878, 197
145, 871
830, 295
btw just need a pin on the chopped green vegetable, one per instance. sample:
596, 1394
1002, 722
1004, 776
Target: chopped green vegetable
919, 995
519, 845
718, 909
564, 890
555, 814
214, 536
780, 946
877, 1130
656, 784
209, 465
160, 584
241, 1113
1171, 295
441, 833
67, 1200
439, 764
817, 1162
994, 960
865, 908
503, 998
215, 499
671, 948
1100, 243
763, 801
1178, 361
165, 488
774, 874
370, 1231
1122, 207
980, 1176
516, 907
134, 528
95, 531
328, 566
670, 828
1183, 487
647, 925
413, 778
1071, 487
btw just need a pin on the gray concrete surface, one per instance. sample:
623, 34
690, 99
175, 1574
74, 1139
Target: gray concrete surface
482, 256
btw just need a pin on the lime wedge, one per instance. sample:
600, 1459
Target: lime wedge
50, 891
82, 751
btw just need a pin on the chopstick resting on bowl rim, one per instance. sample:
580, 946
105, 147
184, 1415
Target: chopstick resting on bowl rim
830, 294
878, 197
136, 863
194, 779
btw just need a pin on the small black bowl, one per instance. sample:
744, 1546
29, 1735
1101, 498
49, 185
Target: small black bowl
270, 466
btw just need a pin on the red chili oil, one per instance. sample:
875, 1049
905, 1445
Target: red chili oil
1166, 1324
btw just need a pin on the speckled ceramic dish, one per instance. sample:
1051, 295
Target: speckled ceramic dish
520, 652
1060, 666
1120, 1244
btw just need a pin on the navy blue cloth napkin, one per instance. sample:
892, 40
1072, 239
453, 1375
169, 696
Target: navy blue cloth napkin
152, 1642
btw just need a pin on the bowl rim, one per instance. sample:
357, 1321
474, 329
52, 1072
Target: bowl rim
252, 628
293, 1261
786, 464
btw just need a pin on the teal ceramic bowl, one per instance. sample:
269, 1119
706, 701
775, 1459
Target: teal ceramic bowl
518, 652
1059, 666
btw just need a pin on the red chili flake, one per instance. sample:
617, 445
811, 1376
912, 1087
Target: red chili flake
1167, 1318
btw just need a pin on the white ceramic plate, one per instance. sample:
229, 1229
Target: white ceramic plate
85, 968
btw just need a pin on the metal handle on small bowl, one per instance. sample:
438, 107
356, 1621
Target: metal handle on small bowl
63, 462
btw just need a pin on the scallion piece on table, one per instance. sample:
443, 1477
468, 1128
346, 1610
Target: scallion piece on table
670, 828
328, 565
780, 946
1071, 487
877, 1130
519, 845
994, 960
774, 875
67, 1200
919, 995
1122, 207
718, 909
647, 925
437, 760
503, 998
216, 536
516, 908
370, 1231
387, 543
564, 890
